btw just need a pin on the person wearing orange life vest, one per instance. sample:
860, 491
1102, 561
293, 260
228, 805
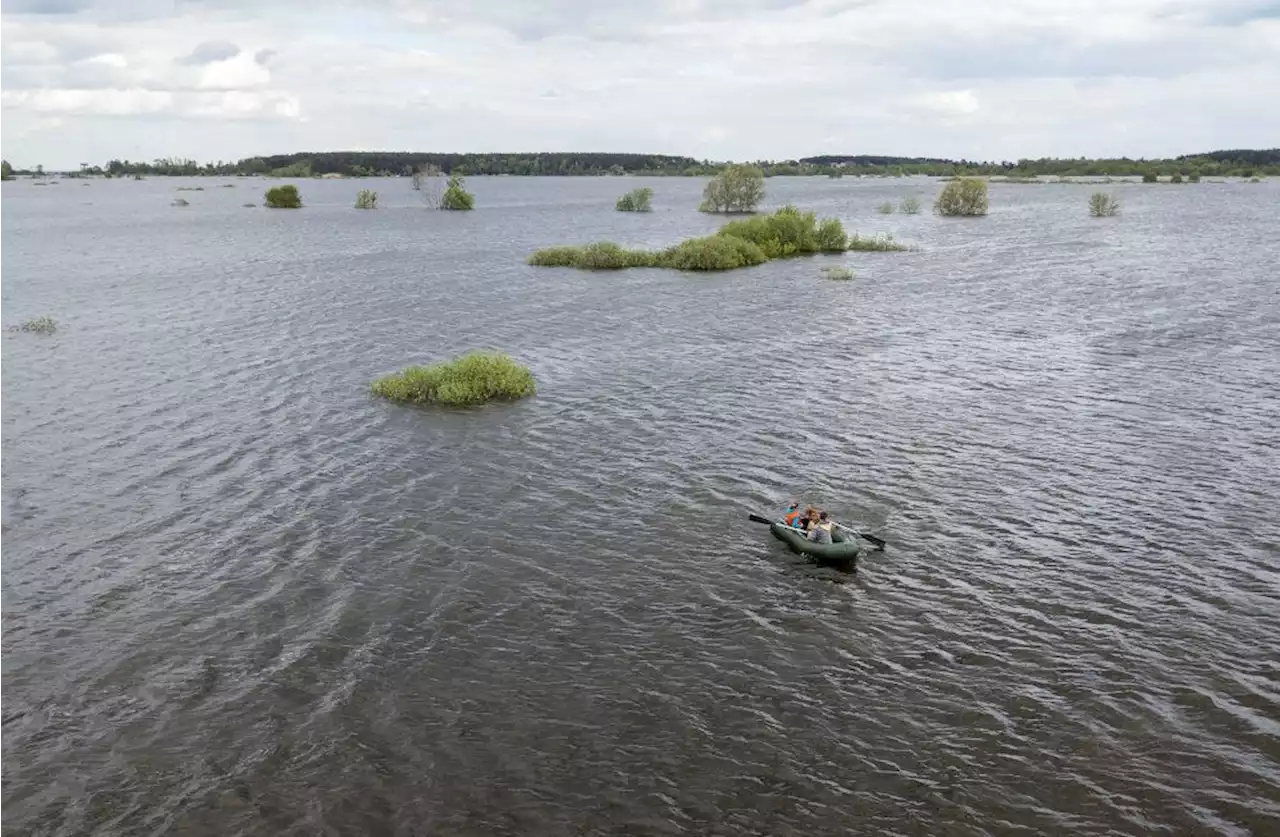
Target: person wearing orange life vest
793, 515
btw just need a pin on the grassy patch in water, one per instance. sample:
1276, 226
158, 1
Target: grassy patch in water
472, 378
742, 243
910, 206
843, 274
875, 244
39, 325
885, 208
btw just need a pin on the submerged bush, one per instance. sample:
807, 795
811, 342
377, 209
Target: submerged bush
885, 208
1102, 205
1195, 178
456, 196
966, 196
367, 199
713, 252
40, 325
472, 378
1177, 178
1151, 177
739, 188
910, 206
180, 202
840, 273
742, 243
637, 200
875, 244
788, 232
284, 197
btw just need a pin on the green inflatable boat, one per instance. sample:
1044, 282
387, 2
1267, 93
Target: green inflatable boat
843, 553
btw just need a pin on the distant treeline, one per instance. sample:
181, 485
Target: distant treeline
1235, 163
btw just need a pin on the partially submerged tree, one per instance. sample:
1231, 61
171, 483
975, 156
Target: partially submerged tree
6, 170
284, 197
637, 200
367, 199
1102, 205
739, 188
456, 196
963, 196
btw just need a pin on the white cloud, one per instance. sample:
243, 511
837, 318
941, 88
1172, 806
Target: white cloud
710, 78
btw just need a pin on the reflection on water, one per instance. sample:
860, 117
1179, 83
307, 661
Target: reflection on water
243, 597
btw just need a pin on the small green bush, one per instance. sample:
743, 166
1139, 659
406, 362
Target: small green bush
40, 325
1195, 178
966, 196
713, 252
284, 197
1151, 177
605, 255
875, 244
831, 236
1102, 205
455, 196
472, 378
910, 206
1177, 178
637, 200
885, 208
367, 199
841, 273
786, 232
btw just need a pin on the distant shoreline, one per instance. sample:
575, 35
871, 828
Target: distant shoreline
1228, 163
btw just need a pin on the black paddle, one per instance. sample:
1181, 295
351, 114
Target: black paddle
879, 542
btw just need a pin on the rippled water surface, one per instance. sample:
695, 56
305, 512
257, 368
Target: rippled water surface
241, 596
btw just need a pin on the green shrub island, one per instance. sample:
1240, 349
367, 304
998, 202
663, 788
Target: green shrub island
741, 243
965, 196
1151, 177
637, 200
910, 206
367, 199
738, 188
284, 197
1102, 205
456, 196
472, 378
1177, 178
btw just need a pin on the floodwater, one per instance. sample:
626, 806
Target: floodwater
242, 597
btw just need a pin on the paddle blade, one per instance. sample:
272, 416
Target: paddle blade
880, 542
755, 518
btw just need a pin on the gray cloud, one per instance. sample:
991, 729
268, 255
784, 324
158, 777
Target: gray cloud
46, 7
210, 51
264, 56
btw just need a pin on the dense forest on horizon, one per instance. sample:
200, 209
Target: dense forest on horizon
1234, 162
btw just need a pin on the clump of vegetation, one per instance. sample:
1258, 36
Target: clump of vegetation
1255, 180
841, 273
40, 325
228, 185
6, 170
456, 196
284, 197
910, 206
1177, 178
835, 174
250, 205
885, 208
742, 243
713, 252
180, 202
966, 196
472, 378
739, 188
789, 232
875, 244
1102, 205
1150, 177
190, 188
367, 199
637, 200
1194, 178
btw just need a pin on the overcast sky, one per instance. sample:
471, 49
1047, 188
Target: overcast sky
88, 80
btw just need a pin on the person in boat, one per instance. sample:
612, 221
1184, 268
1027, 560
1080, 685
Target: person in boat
820, 531
793, 515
